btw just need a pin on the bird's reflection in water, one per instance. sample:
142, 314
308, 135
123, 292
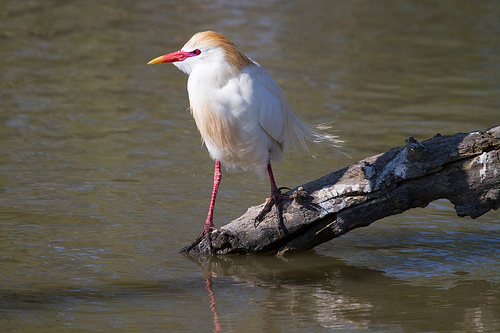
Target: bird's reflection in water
319, 290
207, 275
303, 285
204, 263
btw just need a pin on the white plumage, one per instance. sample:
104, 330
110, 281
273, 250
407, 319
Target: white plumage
239, 109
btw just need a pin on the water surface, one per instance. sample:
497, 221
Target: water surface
103, 177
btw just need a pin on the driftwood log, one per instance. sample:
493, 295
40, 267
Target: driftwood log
463, 168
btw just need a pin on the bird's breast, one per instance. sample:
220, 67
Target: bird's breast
228, 117
220, 111
216, 128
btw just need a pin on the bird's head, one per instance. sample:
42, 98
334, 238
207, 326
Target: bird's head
206, 49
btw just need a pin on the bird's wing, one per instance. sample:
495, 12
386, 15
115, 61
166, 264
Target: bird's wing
273, 106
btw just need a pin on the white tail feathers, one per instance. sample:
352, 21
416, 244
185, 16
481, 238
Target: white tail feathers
300, 133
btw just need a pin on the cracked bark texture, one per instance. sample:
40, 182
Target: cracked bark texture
463, 168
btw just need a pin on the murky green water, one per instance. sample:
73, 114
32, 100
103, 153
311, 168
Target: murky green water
103, 177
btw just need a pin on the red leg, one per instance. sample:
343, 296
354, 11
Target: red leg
274, 200
209, 223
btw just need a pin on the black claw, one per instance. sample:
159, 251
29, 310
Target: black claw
284, 188
204, 234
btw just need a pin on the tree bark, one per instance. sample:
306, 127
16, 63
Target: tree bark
463, 168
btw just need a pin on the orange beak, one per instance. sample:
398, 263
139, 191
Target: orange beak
171, 57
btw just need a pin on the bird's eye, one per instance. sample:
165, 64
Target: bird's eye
196, 52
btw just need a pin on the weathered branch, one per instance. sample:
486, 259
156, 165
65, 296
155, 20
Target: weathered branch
463, 168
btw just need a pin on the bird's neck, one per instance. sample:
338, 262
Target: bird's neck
205, 82
213, 74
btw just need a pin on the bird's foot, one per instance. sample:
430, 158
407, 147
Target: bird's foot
275, 199
205, 233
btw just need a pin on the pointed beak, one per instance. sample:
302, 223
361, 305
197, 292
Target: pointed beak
171, 57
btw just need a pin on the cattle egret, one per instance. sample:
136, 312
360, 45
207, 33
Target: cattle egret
241, 113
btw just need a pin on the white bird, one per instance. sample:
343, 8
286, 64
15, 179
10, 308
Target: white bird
240, 111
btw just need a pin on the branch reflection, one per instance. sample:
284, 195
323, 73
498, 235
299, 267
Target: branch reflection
327, 291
